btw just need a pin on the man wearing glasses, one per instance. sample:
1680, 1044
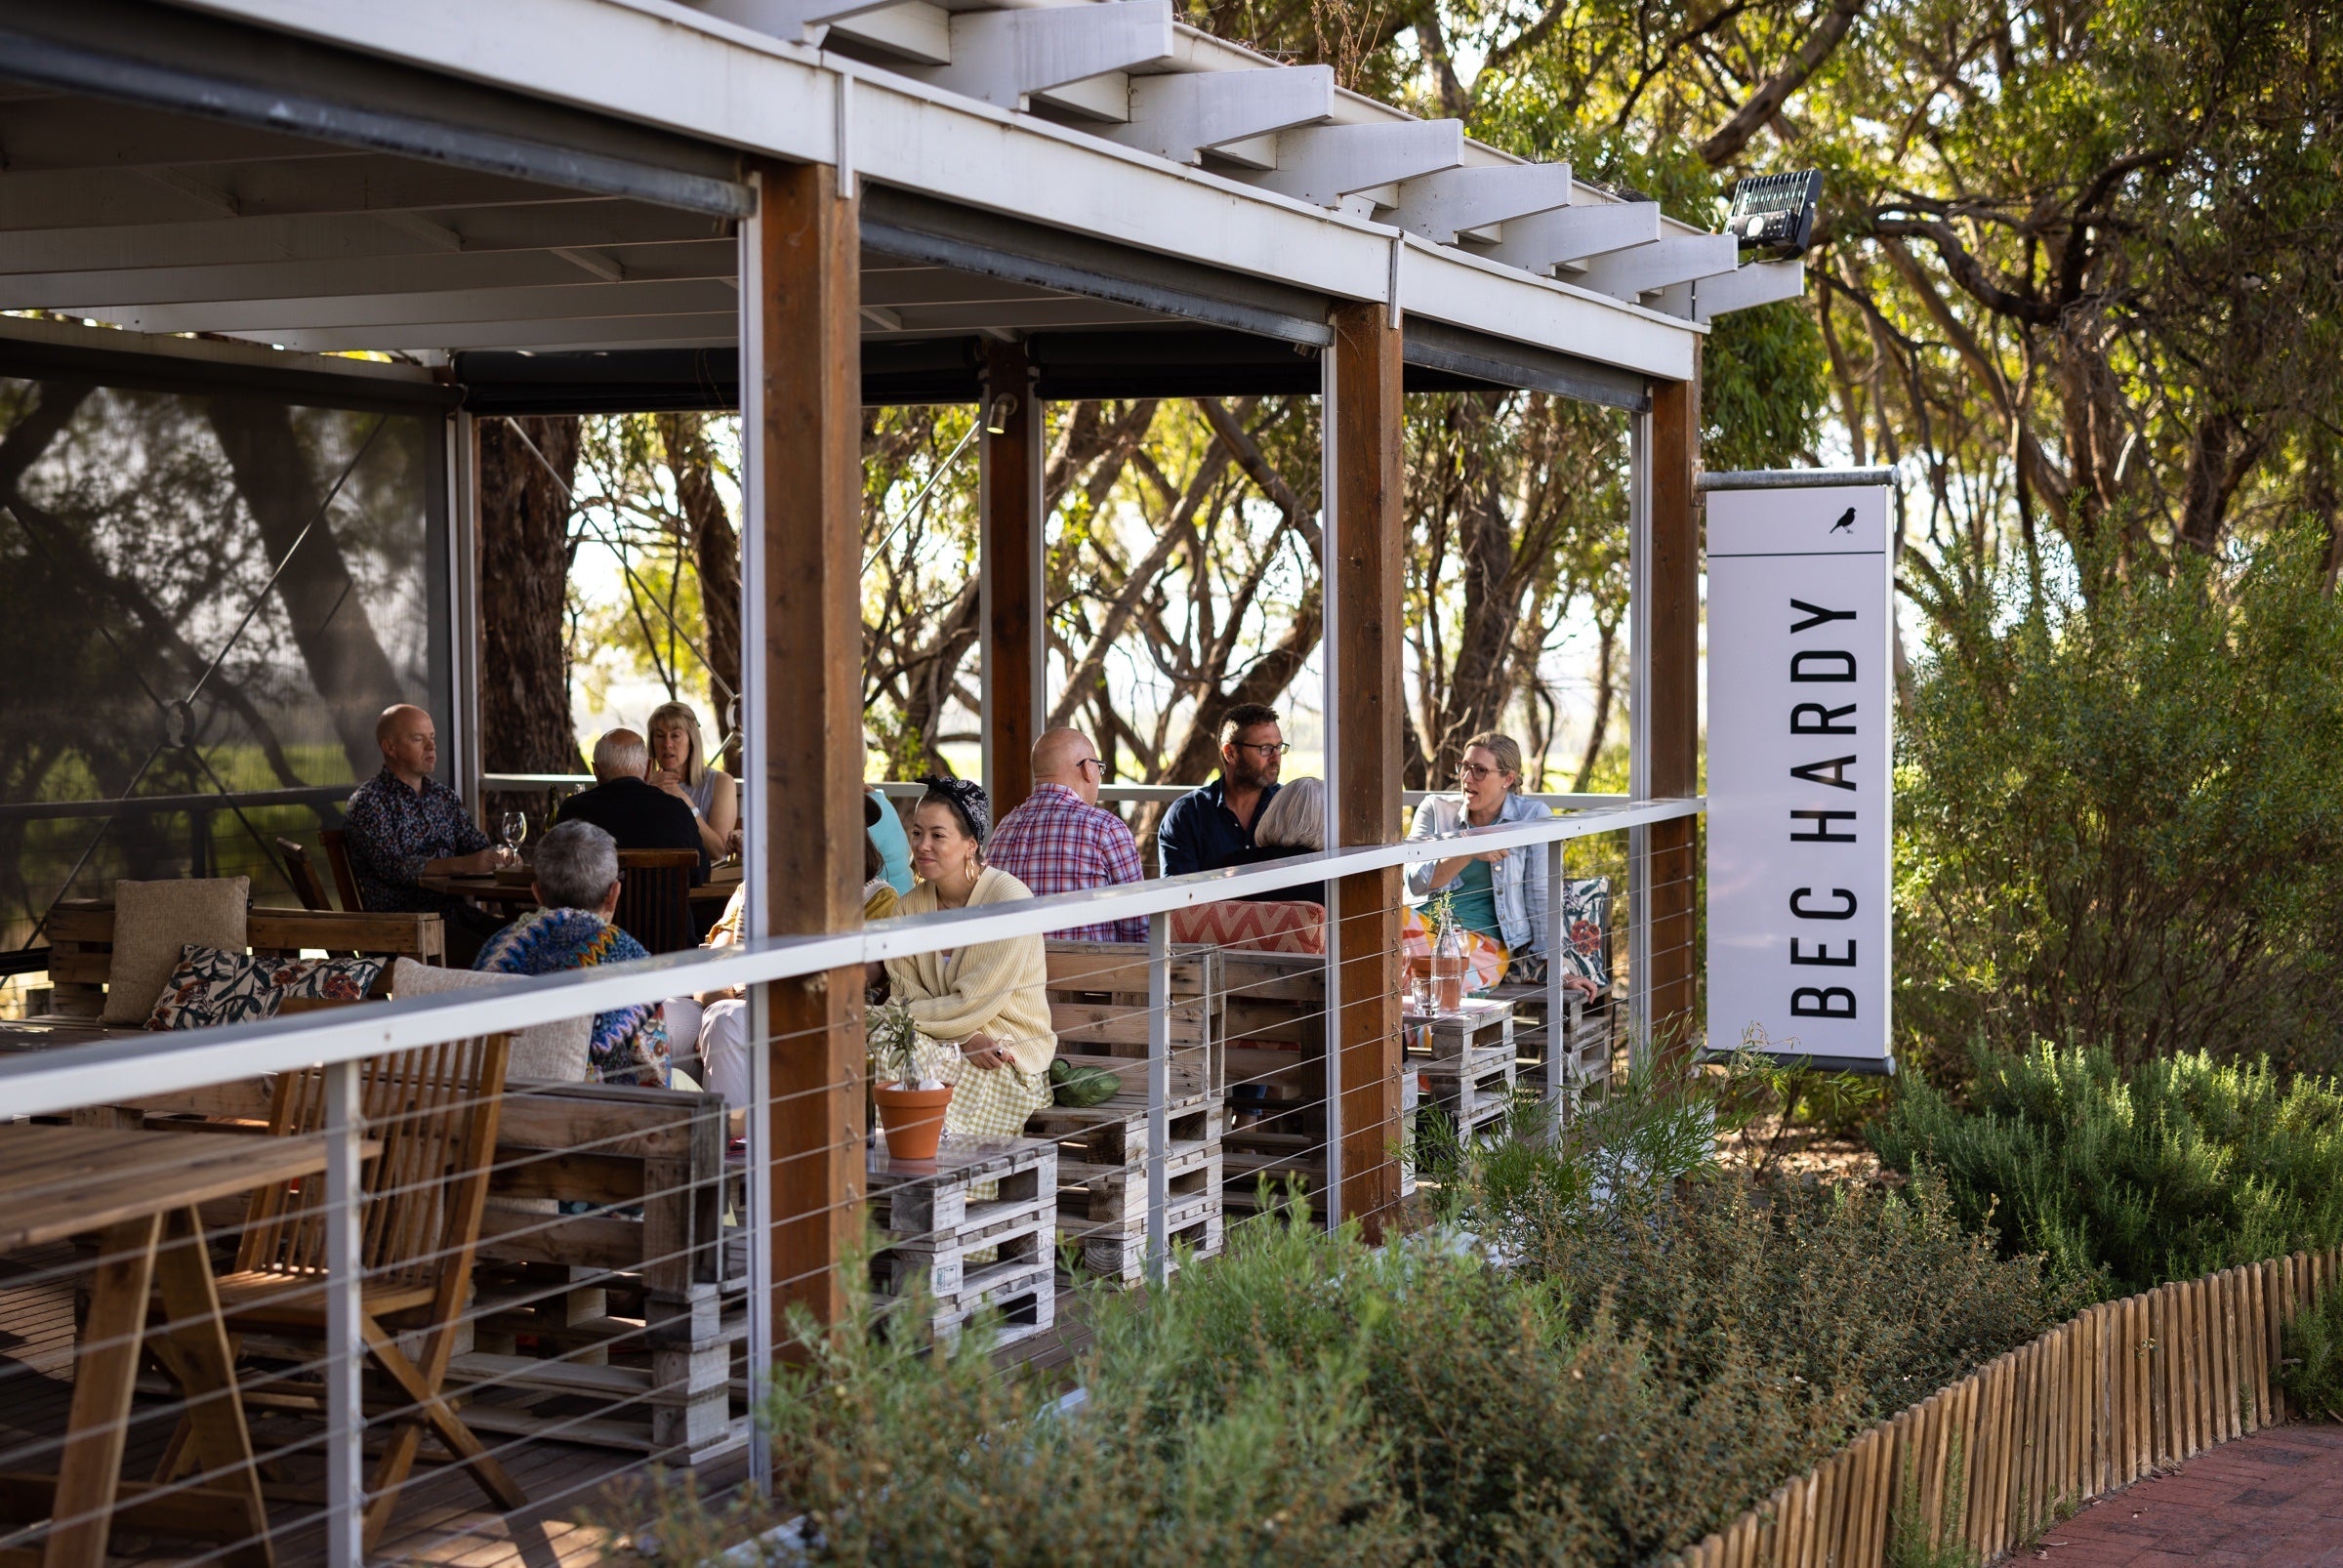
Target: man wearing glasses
1062, 841
1209, 828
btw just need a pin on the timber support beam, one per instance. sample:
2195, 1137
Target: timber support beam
1674, 581
1015, 611
1366, 543
803, 427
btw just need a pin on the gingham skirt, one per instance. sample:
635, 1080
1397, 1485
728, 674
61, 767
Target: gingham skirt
986, 1102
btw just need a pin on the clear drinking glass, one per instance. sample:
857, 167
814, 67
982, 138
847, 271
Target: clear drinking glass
515, 825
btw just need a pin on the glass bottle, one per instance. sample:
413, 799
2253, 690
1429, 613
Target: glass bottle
1447, 965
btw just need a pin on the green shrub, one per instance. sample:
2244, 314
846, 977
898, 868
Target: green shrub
2179, 1167
2117, 815
2312, 1369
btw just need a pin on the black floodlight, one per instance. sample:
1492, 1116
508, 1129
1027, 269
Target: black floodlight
1774, 211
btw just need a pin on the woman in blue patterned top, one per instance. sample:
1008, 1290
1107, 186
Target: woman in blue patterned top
577, 883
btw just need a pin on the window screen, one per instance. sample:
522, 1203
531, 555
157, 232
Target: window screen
205, 602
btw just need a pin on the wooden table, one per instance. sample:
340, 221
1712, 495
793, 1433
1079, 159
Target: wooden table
137, 1193
721, 884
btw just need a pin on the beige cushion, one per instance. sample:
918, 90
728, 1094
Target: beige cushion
554, 1051
153, 921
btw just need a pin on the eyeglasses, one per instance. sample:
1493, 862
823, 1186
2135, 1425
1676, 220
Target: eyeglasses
1473, 772
1267, 748
1091, 762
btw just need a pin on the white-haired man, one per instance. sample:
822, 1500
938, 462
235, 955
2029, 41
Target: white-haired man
628, 807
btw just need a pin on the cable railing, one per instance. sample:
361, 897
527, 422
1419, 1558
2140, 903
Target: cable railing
622, 1271
1110, 794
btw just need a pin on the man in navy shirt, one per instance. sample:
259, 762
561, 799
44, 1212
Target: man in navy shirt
1209, 828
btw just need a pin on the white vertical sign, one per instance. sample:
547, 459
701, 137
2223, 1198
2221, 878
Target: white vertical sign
1800, 797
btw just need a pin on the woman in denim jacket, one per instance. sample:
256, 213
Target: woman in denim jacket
1502, 893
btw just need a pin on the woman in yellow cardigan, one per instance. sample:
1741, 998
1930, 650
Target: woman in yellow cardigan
982, 1010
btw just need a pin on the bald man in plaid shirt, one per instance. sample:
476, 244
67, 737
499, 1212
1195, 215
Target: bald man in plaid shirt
1061, 841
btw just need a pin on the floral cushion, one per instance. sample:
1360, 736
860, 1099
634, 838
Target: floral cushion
213, 986
1585, 918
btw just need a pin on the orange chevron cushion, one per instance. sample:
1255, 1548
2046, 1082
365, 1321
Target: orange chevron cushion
1282, 928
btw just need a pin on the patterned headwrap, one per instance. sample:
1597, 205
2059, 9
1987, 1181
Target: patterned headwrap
967, 800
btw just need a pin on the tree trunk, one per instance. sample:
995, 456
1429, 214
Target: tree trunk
330, 625
716, 555
525, 554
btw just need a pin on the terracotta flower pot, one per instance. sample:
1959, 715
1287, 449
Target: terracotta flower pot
914, 1119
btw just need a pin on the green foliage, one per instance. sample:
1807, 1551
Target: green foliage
2182, 1167
2312, 1369
2120, 820
1624, 1357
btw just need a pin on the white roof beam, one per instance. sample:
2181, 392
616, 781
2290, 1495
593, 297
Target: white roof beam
793, 19
438, 236
1759, 283
186, 184
370, 274
580, 302
1544, 241
1178, 116
1645, 269
913, 29
1005, 57
1321, 164
1435, 206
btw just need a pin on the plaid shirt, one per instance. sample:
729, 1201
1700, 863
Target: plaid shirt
1057, 844
393, 830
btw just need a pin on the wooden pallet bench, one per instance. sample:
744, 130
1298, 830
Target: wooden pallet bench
1274, 1008
1463, 1060
1099, 1009
1590, 1037
1102, 1156
81, 933
976, 1224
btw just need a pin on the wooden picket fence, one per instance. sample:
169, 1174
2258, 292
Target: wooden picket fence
2125, 1388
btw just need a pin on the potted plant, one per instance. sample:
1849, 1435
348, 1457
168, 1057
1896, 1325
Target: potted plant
910, 1108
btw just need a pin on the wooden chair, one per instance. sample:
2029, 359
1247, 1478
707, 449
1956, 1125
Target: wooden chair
435, 1112
654, 902
301, 872
337, 856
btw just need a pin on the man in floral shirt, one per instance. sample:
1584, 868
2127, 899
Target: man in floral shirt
405, 825
1061, 841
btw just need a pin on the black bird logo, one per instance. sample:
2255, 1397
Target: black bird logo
1845, 522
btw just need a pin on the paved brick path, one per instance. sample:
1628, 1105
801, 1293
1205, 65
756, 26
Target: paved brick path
2274, 1499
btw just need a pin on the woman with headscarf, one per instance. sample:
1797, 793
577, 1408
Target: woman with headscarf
982, 1010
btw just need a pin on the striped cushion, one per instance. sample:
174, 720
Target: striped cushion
1259, 928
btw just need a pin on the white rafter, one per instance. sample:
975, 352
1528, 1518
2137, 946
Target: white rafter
785, 19
1544, 241
1178, 116
1435, 206
1646, 269
1005, 57
1759, 283
1324, 163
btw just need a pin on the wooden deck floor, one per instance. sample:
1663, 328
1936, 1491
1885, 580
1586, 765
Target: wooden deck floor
442, 1518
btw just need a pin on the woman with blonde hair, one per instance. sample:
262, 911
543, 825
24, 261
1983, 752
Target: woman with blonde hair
1502, 893
679, 766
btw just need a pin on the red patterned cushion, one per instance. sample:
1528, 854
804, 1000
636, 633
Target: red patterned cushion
1260, 927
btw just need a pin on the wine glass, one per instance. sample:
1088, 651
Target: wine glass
515, 825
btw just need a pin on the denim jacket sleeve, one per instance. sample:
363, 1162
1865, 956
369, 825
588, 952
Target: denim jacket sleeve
1431, 820
1534, 888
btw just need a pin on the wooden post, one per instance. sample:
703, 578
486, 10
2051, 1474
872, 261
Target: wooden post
1015, 610
1674, 581
1368, 544
806, 796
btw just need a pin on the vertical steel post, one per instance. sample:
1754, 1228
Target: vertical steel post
1639, 734
1560, 1076
1159, 1094
345, 1407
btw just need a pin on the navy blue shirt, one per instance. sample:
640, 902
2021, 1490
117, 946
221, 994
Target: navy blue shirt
1200, 833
